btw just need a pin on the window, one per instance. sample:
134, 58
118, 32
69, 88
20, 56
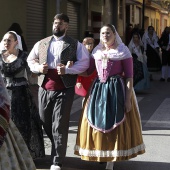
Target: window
121, 9
133, 13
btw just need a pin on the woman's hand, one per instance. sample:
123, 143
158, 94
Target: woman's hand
129, 87
79, 85
128, 106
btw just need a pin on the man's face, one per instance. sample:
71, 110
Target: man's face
59, 27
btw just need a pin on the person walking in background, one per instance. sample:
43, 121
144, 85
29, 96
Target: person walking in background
14, 154
151, 47
141, 75
23, 109
83, 83
50, 58
110, 113
129, 29
164, 43
31, 78
17, 28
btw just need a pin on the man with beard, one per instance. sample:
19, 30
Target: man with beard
50, 59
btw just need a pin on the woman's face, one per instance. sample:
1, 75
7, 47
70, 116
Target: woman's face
107, 35
9, 41
151, 30
135, 38
89, 44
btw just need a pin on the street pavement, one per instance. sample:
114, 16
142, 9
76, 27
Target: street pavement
154, 105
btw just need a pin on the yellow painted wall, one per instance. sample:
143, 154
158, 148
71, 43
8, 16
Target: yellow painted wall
157, 25
151, 15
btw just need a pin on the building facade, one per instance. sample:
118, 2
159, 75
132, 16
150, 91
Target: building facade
86, 16
156, 13
36, 16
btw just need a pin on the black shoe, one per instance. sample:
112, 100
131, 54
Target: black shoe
162, 79
102, 162
168, 79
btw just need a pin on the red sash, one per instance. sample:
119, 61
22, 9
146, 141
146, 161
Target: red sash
53, 81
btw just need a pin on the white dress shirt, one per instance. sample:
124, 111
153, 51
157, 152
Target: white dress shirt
54, 57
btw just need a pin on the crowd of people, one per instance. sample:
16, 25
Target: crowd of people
155, 53
107, 76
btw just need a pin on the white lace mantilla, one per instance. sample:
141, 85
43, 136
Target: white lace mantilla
113, 153
122, 52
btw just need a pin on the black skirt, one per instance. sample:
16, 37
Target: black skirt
24, 114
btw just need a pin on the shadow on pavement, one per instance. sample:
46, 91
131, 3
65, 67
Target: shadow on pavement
72, 163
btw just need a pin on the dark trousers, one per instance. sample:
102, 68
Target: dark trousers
54, 109
165, 58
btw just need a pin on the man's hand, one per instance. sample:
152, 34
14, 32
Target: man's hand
69, 64
43, 68
61, 69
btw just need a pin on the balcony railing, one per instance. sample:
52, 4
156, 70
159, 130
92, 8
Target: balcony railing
164, 3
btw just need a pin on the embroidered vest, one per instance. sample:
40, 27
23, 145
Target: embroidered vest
68, 53
103, 73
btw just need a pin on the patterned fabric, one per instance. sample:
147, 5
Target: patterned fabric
15, 73
4, 123
23, 109
122, 52
11, 70
138, 73
14, 154
153, 42
4, 114
26, 117
68, 53
4, 98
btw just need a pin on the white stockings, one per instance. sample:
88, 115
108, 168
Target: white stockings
110, 165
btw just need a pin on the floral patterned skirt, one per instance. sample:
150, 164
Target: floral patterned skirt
14, 154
